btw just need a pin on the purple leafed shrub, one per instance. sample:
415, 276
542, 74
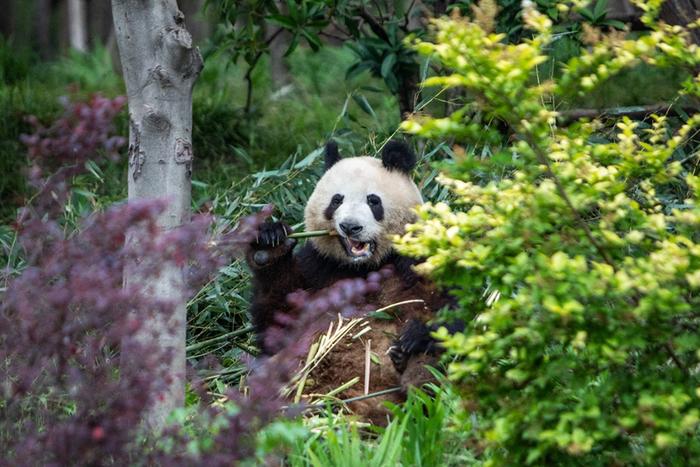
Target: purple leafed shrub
58, 152
63, 319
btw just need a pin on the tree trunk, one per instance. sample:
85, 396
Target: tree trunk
197, 23
6, 20
77, 25
279, 42
408, 93
160, 67
99, 22
42, 31
279, 72
682, 12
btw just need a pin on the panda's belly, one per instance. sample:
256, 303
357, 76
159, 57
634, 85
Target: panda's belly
347, 359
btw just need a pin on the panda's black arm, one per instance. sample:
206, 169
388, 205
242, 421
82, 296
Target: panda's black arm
276, 274
416, 339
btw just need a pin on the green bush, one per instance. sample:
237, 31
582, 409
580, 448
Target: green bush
584, 243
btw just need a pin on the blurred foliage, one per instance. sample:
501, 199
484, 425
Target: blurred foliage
374, 31
584, 240
377, 31
228, 143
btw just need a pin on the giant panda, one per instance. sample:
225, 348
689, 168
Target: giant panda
365, 200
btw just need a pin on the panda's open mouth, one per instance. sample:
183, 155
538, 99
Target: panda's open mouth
357, 249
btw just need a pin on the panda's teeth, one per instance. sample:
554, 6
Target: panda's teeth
359, 248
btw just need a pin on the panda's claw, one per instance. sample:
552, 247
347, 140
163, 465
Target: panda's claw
271, 235
415, 339
398, 357
271, 243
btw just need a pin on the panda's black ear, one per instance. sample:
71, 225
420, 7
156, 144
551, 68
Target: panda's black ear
332, 154
396, 155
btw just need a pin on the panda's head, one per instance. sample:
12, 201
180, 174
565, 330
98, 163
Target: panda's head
365, 200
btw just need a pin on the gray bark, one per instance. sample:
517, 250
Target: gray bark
42, 17
99, 22
160, 66
682, 12
198, 23
279, 41
77, 25
279, 72
6, 19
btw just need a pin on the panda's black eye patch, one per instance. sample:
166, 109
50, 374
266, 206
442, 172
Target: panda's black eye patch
335, 203
375, 204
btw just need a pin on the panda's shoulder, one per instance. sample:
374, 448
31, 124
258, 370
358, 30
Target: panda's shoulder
403, 267
309, 257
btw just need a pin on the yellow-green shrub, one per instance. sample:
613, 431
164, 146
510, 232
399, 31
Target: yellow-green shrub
591, 354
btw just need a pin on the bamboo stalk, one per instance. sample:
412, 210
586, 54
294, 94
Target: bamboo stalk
302, 382
368, 364
323, 405
313, 233
199, 345
394, 305
343, 387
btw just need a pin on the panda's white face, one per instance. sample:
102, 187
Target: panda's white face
364, 203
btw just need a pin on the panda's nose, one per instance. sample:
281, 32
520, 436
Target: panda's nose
350, 228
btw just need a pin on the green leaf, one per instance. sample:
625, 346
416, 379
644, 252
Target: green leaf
380, 315
357, 68
282, 21
392, 83
587, 14
614, 23
313, 39
293, 43
388, 65
600, 9
94, 169
364, 104
371, 88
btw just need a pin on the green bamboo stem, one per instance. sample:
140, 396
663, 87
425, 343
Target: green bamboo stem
313, 233
199, 345
332, 402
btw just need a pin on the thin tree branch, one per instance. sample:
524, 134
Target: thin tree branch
374, 26
674, 357
332, 36
379, 10
407, 16
248, 75
636, 112
340, 28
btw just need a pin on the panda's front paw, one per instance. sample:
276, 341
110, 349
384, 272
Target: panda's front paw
272, 242
417, 372
398, 357
414, 340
